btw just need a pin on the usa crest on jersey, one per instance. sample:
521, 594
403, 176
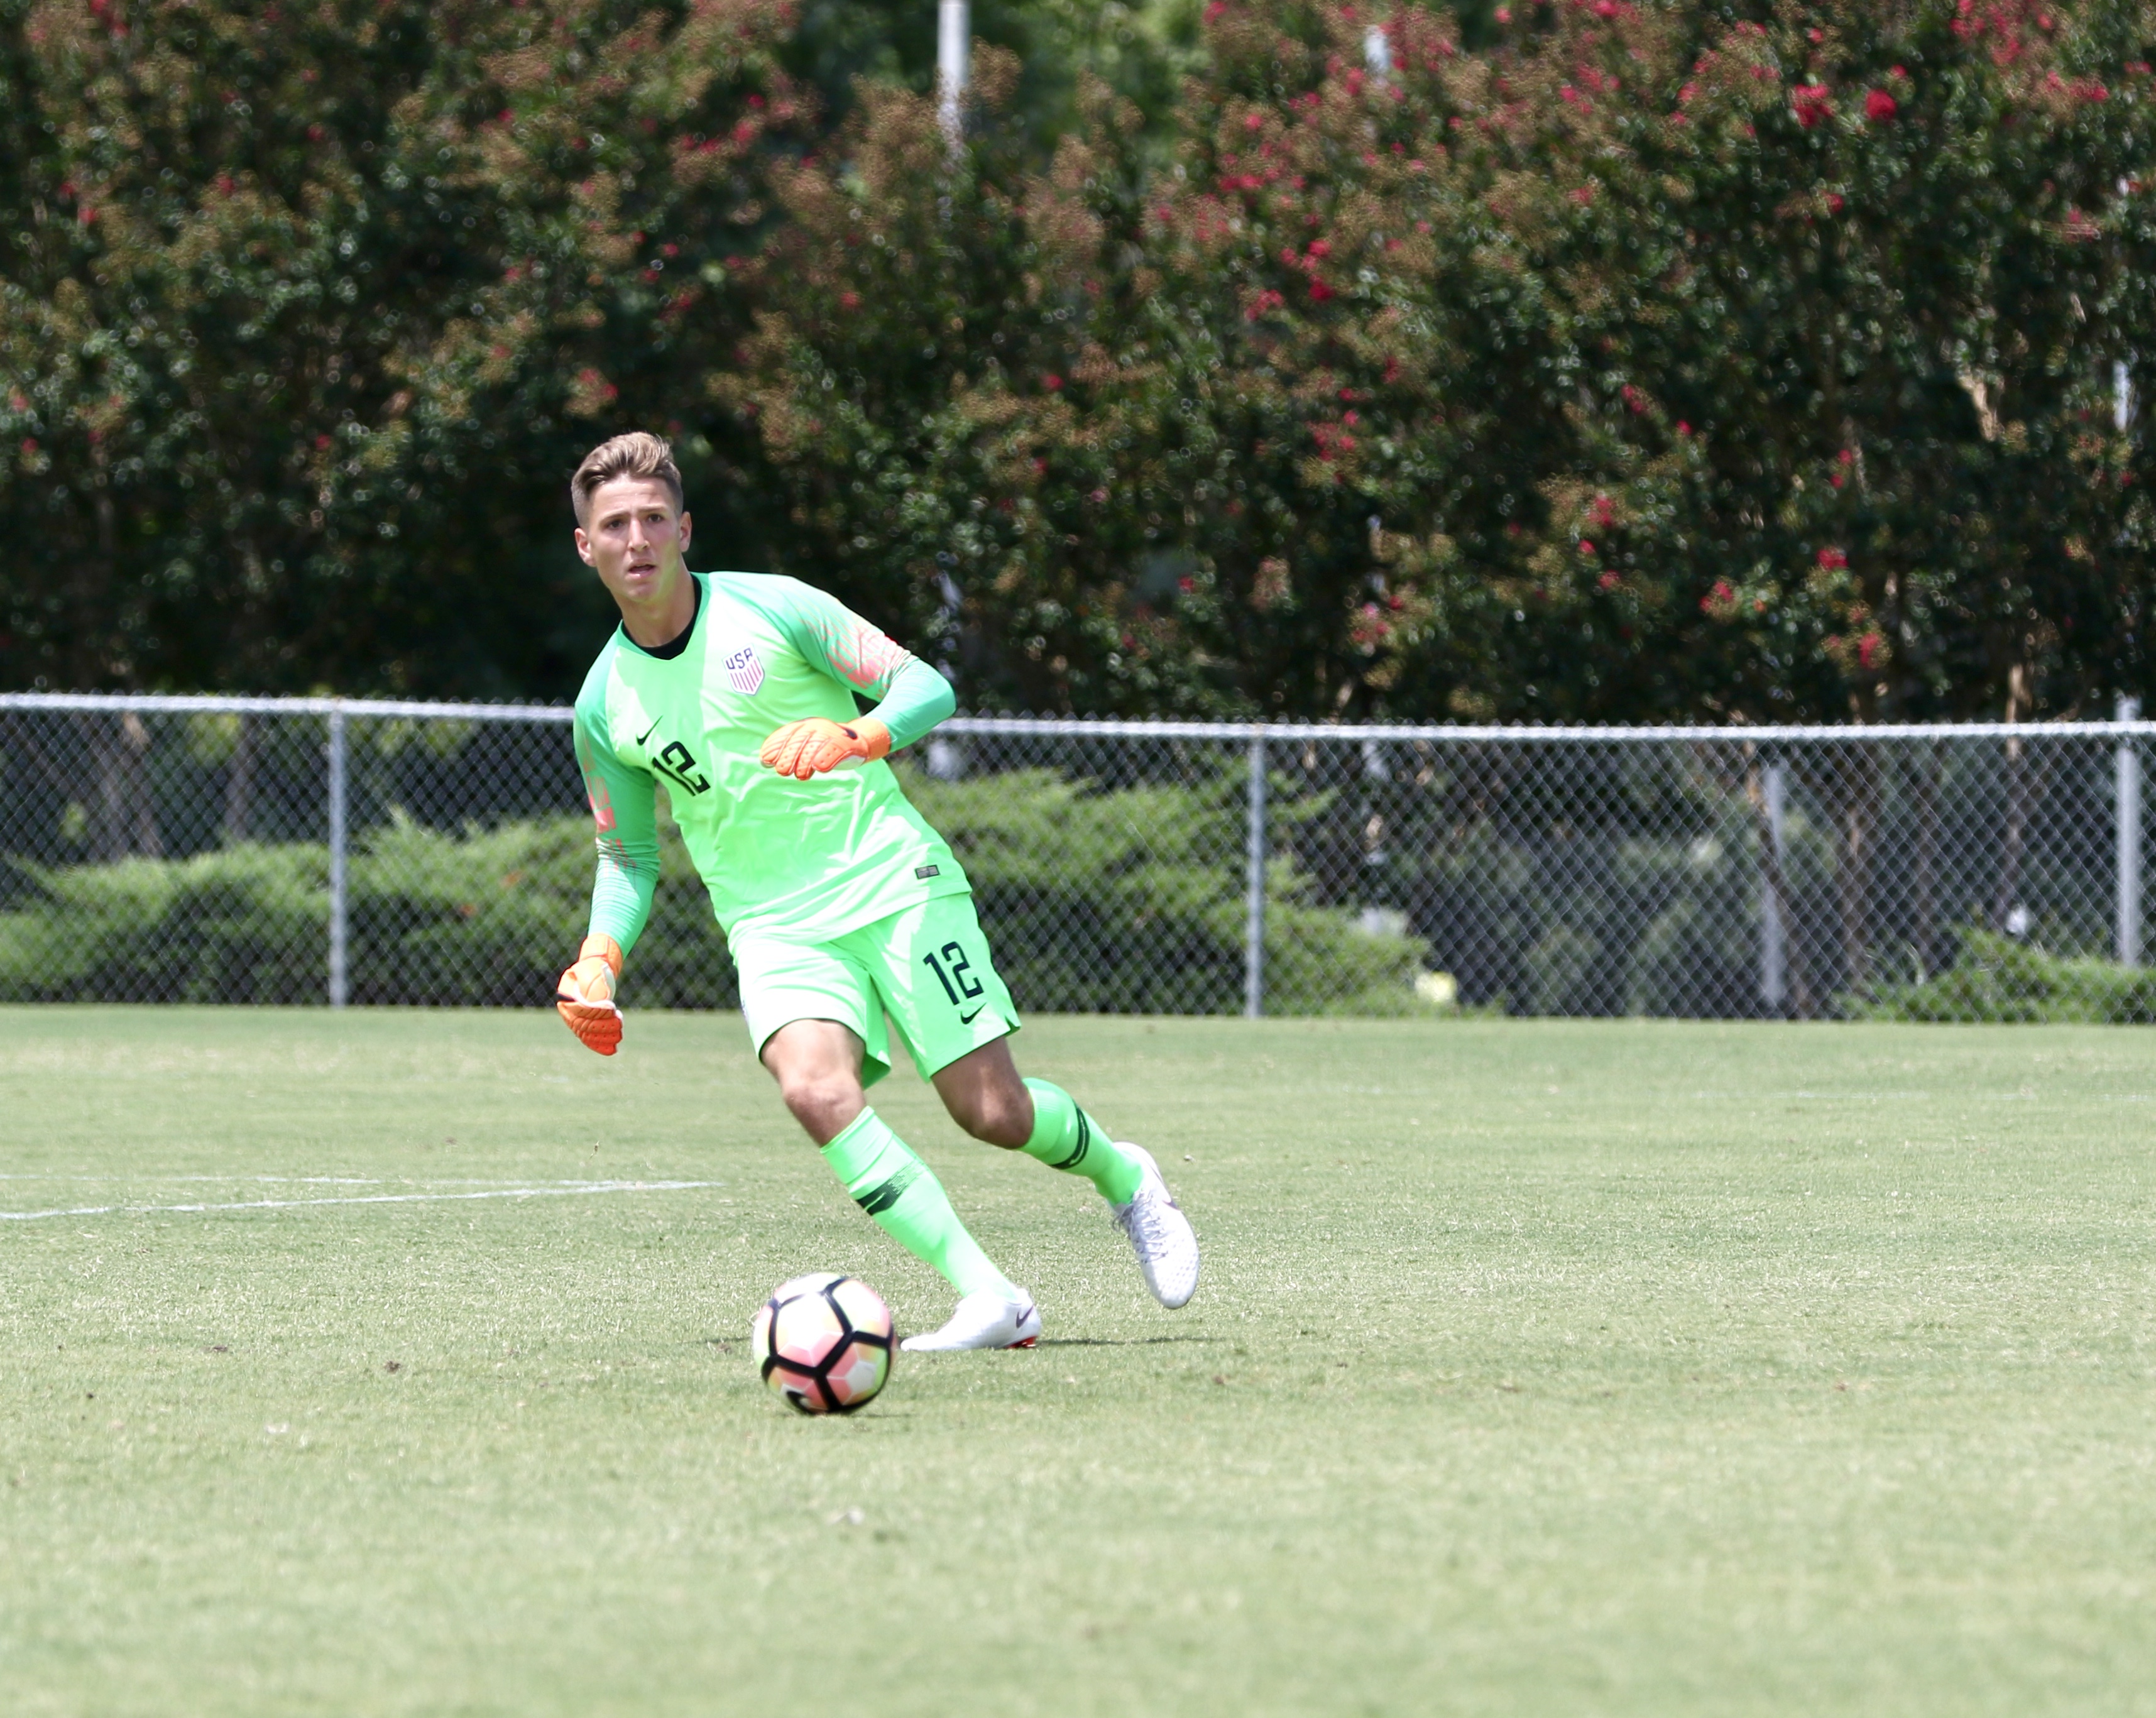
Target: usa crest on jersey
744, 670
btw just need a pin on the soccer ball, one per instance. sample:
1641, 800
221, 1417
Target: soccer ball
823, 1342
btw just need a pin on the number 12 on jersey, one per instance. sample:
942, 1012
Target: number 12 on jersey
959, 983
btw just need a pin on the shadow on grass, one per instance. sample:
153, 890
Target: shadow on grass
1119, 1341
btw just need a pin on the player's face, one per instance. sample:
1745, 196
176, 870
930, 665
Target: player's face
635, 539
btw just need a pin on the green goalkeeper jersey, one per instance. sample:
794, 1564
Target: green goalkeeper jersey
807, 861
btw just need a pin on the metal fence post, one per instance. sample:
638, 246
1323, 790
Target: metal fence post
1773, 948
954, 47
339, 893
2127, 762
1254, 884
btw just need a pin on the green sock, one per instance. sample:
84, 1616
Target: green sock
909, 1204
1065, 1137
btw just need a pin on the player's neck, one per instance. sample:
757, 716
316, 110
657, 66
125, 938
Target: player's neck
665, 617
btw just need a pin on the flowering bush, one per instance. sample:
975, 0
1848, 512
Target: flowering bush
1748, 363
1803, 319
307, 312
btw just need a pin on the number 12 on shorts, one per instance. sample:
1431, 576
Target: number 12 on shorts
959, 983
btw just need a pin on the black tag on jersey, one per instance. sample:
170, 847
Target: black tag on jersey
925, 872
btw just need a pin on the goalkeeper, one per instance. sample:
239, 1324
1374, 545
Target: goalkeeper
840, 904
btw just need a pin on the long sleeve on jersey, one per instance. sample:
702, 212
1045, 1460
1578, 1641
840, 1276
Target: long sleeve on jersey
626, 811
911, 696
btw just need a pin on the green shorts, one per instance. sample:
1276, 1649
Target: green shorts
927, 968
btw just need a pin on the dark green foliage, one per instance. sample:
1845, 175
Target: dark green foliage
1096, 903
1998, 979
1597, 362
1132, 902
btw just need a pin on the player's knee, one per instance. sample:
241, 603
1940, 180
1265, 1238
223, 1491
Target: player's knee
825, 1104
998, 1118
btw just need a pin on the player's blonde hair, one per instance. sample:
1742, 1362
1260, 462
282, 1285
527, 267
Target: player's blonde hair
639, 454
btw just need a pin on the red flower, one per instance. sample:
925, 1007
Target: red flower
1052, 383
1683, 428
1319, 292
1834, 559
1586, 547
1320, 248
1879, 107
1812, 104
849, 300
1608, 581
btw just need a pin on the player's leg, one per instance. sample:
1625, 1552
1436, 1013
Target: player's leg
815, 1025
956, 1016
986, 1097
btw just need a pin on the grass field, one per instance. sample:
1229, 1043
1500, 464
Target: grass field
1539, 1369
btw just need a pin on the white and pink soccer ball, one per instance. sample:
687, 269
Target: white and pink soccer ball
823, 1342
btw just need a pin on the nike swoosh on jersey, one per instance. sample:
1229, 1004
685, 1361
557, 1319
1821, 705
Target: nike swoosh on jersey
647, 733
968, 1019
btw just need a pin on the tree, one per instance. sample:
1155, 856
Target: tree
1654, 363
309, 316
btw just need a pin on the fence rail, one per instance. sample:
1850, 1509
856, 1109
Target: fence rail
165, 848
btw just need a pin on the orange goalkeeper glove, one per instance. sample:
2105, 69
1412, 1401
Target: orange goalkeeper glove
805, 749
586, 995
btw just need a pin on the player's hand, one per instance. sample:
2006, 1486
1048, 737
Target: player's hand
805, 749
586, 995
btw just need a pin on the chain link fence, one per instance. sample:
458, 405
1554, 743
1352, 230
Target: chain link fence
321, 850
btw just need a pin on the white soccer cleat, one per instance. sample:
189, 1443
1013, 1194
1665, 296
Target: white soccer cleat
983, 1319
1160, 1234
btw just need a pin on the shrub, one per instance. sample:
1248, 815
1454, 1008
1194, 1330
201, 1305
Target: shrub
1129, 901
1998, 979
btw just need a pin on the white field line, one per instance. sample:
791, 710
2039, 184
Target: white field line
547, 1193
325, 1181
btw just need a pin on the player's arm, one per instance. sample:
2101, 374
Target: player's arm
624, 806
911, 696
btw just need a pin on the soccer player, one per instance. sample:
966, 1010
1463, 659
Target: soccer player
839, 903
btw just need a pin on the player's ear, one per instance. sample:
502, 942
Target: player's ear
681, 533
584, 548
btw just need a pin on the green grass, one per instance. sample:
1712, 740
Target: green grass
1538, 1368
